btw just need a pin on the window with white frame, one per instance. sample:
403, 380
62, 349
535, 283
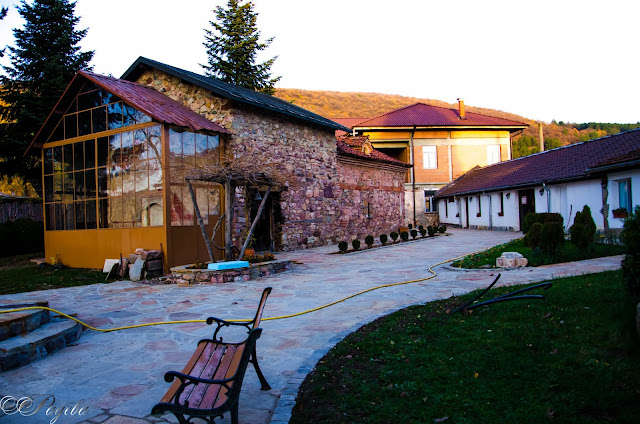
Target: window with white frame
493, 154
429, 157
430, 205
624, 195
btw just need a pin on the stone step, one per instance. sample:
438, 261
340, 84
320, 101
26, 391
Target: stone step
26, 348
15, 323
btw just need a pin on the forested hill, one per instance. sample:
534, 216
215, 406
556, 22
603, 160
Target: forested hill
335, 104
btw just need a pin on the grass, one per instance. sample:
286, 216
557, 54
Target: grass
572, 358
18, 275
566, 253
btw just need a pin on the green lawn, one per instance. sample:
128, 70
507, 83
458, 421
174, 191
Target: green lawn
566, 253
18, 274
572, 358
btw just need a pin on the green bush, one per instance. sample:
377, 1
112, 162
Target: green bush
394, 236
630, 238
420, 228
356, 244
423, 232
343, 246
410, 226
431, 231
414, 234
21, 236
383, 239
552, 236
583, 229
533, 238
404, 236
442, 229
532, 217
529, 219
368, 240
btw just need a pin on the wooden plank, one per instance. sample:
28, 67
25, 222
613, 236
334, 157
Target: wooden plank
176, 383
208, 371
217, 394
231, 371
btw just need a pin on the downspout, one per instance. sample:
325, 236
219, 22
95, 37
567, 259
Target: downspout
413, 174
490, 211
548, 196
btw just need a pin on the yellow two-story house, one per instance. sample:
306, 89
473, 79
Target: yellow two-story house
441, 144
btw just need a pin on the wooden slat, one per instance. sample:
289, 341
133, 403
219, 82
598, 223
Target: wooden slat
187, 368
217, 392
231, 371
211, 365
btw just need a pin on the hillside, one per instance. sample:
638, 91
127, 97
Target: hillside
335, 104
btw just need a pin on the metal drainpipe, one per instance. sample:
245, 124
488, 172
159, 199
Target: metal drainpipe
548, 196
490, 212
413, 174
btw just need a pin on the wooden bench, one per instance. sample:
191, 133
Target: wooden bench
210, 383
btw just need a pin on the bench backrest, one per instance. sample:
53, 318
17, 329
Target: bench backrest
255, 323
249, 345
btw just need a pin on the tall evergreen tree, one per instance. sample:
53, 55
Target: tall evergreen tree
44, 59
3, 13
232, 47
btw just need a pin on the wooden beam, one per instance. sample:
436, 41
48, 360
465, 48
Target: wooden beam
254, 223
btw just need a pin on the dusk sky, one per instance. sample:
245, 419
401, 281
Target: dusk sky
572, 61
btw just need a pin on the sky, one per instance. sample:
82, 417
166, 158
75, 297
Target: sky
572, 61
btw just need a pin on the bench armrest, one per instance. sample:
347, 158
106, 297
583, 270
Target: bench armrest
223, 323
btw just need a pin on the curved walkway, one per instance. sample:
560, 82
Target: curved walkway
120, 375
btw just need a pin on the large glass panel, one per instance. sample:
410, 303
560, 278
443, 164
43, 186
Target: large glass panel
115, 183
90, 183
128, 155
201, 145
84, 123
89, 100
70, 126
213, 142
88, 86
155, 142
48, 188
129, 211
67, 156
138, 210
50, 217
189, 148
47, 165
67, 181
128, 181
91, 214
78, 156
59, 216
214, 200
155, 175
103, 182
79, 186
187, 207
103, 213
103, 151
89, 154
202, 199
114, 149
114, 115
109, 97
69, 216
141, 173
115, 213
175, 145
80, 216
99, 119
57, 187
153, 211
58, 133
176, 206
133, 116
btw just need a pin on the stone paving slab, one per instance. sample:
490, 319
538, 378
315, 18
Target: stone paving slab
119, 375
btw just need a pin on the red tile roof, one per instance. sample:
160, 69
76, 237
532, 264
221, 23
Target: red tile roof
153, 103
564, 164
352, 147
347, 122
423, 115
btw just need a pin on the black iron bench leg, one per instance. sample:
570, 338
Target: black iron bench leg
254, 361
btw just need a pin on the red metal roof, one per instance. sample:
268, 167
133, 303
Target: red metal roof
352, 146
568, 163
423, 115
155, 104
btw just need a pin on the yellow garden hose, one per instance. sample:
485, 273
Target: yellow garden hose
107, 330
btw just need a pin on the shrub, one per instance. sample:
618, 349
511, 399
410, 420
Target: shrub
533, 239
404, 236
343, 246
630, 237
442, 229
420, 228
532, 217
583, 229
431, 231
423, 232
552, 236
369, 240
383, 239
410, 226
414, 234
394, 236
529, 219
356, 244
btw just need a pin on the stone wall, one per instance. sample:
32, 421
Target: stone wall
371, 199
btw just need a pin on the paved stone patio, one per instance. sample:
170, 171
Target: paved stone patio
119, 375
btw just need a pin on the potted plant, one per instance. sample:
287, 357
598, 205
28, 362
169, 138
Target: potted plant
383, 239
368, 240
620, 213
394, 236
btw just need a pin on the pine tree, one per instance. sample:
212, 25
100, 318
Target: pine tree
232, 47
3, 13
43, 61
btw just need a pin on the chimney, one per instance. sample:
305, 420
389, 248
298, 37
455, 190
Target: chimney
540, 137
461, 109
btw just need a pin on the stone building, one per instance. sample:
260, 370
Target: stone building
111, 147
